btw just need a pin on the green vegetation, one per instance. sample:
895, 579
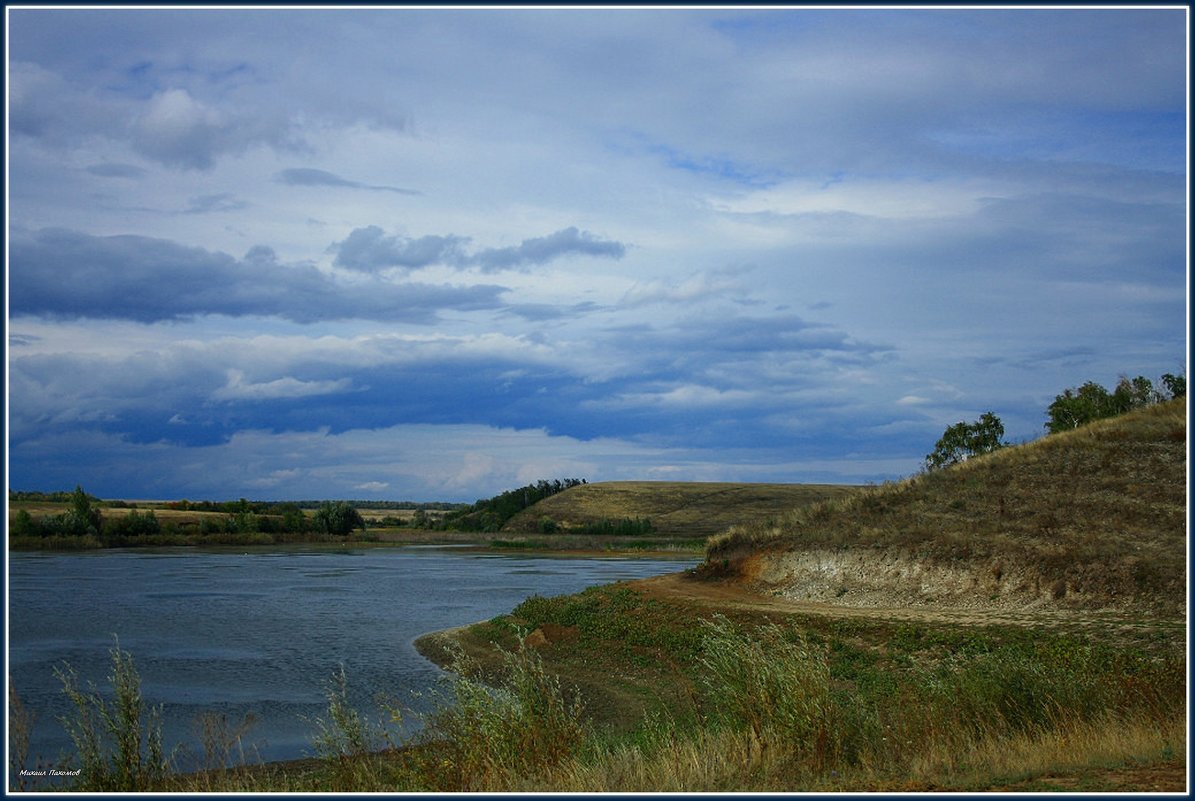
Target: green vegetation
626, 527
338, 518
1078, 406
81, 519
727, 702
118, 743
963, 440
490, 515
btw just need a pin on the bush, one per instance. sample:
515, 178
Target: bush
134, 524
338, 518
626, 527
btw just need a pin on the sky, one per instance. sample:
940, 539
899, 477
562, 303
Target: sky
390, 253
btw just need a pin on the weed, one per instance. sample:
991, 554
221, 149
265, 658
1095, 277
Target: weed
119, 744
20, 723
347, 742
772, 682
487, 739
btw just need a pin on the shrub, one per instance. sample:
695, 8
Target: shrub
134, 524
338, 518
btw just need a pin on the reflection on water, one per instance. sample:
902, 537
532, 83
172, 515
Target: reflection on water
261, 632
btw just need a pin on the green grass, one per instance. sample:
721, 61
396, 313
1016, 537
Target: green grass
734, 703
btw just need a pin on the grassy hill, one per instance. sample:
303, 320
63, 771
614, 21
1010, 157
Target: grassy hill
1094, 517
673, 507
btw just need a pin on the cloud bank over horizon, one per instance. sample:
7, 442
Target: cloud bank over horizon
434, 254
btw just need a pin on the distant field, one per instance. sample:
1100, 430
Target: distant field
38, 509
161, 510
695, 509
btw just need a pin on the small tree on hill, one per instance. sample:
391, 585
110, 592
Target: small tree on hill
1176, 385
963, 440
1079, 406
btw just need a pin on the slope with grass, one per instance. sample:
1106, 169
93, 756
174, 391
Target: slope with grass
695, 509
1093, 518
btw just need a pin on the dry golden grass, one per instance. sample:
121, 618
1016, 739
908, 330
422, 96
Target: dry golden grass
40, 509
695, 509
1102, 507
733, 761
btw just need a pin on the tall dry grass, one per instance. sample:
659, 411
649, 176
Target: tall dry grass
769, 716
1102, 507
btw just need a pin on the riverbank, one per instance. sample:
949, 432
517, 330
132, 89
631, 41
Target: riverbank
637, 653
391, 537
682, 683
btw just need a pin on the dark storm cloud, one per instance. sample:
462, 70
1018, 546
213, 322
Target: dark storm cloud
546, 248
222, 201
116, 170
67, 274
369, 250
304, 176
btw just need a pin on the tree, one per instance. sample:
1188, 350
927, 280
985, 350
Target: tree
963, 440
1176, 385
83, 518
1133, 394
1077, 407
338, 517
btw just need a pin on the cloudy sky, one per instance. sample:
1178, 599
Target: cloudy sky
436, 254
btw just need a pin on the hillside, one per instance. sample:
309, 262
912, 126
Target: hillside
1093, 518
678, 508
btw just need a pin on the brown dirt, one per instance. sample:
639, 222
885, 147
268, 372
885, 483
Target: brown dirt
734, 594
1169, 777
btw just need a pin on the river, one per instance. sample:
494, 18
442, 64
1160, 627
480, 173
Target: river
260, 632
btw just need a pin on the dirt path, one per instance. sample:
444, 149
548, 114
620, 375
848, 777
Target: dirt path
731, 594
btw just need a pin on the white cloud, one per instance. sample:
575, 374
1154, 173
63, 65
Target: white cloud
941, 191
287, 387
893, 199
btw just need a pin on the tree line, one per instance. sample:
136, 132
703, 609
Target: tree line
490, 514
244, 518
84, 519
1073, 407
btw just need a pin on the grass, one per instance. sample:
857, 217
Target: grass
816, 702
1101, 509
732, 703
615, 690
694, 509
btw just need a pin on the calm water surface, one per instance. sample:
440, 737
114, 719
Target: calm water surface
262, 632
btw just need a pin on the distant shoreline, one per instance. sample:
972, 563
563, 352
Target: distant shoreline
648, 545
